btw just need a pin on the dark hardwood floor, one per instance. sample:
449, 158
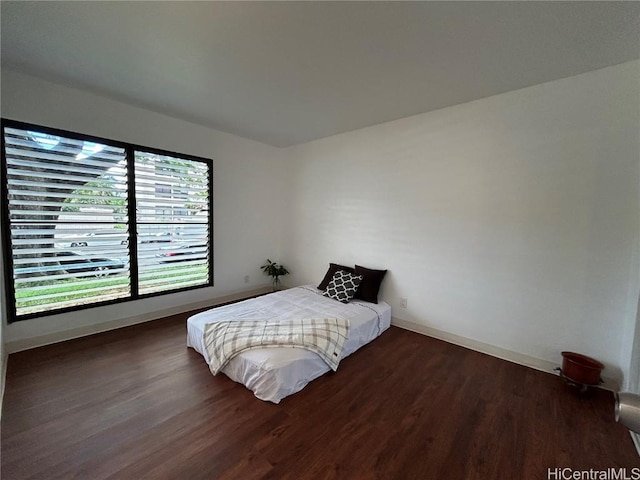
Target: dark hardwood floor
136, 403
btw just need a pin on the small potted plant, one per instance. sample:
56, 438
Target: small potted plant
275, 271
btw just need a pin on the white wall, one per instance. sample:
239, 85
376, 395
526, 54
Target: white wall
633, 383
3, 317
3, 351
510, 220
249, 189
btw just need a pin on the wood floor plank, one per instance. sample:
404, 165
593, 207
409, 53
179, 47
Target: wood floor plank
137, 403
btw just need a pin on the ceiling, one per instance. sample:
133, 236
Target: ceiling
284, 73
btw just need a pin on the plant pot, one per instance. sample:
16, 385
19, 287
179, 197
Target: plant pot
581, 369
275, 285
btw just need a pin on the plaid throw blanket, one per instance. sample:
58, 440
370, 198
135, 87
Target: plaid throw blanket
225, 340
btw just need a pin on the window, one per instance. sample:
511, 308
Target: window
91, 221
172, 211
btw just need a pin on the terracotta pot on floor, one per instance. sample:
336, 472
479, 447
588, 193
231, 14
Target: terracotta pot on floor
581, 369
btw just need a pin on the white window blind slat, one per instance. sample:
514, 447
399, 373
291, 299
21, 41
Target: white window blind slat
38, 186
117, 169
81, 179
17, 202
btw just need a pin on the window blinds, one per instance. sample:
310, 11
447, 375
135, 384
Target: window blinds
74, 204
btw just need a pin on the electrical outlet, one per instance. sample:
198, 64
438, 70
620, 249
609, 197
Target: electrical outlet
403, 303
246, 279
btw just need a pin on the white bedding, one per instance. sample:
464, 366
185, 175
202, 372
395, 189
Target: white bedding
274, 373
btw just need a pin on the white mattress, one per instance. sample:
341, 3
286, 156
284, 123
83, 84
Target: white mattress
274, 373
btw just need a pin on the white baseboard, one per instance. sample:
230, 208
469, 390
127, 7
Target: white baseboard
33, 342
498, 352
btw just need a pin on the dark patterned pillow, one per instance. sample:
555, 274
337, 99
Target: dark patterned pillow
333, 268
343, 286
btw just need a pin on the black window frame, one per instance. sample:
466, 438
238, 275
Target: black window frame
130, 150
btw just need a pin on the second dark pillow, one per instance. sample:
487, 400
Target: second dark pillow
370, 284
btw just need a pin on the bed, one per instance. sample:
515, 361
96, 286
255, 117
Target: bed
275, 373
